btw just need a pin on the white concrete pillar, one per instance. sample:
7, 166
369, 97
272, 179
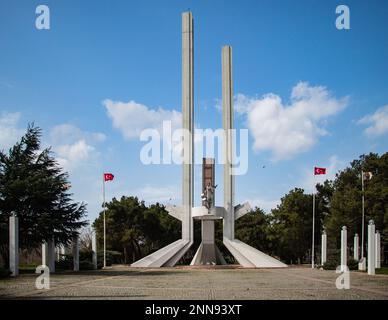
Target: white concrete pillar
187, 124
14, 245
75, 251
378, 249
344, 248
227, 120
51, 248
48, 255
371, 248
45, 254
324, 248
356, 246
94, 250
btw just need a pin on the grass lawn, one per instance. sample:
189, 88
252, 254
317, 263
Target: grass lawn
27, 268
383, 270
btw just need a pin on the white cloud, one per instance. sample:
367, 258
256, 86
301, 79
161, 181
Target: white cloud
10, 133
74, 147
66, 133
131, 117
289, 129
71, 154
265, 204
378, 122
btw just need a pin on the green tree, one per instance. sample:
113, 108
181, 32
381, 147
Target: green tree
291, 226
34, 188
346, 204
135, 229
252, 229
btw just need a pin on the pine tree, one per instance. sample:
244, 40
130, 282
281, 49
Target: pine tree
34, 188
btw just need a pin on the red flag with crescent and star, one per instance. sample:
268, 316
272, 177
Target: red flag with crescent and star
318, 171
108, 176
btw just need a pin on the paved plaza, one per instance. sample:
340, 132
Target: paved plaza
121, 282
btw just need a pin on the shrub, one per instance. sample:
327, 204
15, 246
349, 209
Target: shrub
4, 273
86, 265
333, 264
111, 258
85, 255
330, 265
352, 264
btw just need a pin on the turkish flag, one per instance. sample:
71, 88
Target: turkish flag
319, 171
108, 176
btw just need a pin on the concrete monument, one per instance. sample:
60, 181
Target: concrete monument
207, 252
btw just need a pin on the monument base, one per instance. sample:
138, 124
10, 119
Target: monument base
168, 256
208, 254
250, 257
362, 264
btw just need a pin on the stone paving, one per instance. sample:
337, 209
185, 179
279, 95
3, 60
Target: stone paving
122, 282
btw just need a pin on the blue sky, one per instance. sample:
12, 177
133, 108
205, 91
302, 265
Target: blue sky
309, 94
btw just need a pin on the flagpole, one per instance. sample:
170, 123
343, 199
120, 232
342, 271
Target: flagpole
313, 242
363, 215
103, 196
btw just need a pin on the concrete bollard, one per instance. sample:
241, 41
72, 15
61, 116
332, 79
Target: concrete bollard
371, 248
48, 255
14, 245
324, 248
75, 250
344, 248
94, 250
356, 252
378, 250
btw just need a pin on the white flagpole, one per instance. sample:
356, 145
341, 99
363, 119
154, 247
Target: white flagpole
313, 241
363, 216
103, 195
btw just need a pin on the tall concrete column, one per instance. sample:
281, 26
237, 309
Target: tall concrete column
75, 251
356, 246
94, 250
378, 250
371, 248
344, 248
324, 248
188, 123
48, 255
14, 245
227, 120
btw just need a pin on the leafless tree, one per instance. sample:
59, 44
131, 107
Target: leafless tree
86, 239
